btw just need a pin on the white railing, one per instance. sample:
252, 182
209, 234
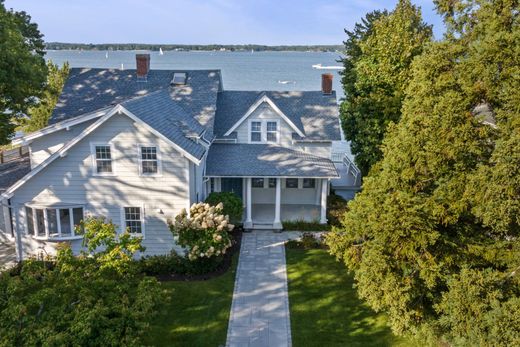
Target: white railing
352, 169
337, 157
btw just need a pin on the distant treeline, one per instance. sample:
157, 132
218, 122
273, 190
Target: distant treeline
172, 47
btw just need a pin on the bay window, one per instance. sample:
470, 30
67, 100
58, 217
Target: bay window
54, 222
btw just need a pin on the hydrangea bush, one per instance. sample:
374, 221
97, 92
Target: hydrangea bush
205, 233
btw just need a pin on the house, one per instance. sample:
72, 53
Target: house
137, 146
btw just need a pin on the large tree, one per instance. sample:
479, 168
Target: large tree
22, 67
39, 114
378, 56
433, 239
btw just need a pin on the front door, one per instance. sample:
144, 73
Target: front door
233, 185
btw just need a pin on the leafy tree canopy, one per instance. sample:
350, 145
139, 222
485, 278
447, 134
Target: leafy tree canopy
433, 239
22, 67
379, 53
39, 114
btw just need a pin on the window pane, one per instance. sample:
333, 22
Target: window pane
30, 221
77, 216
271, 126
103, 152
104, 166
308, 183
40, 223
272, 183
271, 137
52, 222
257, 182
291, 183
149, 167
256, 126
149, 153
66, 229
256, 137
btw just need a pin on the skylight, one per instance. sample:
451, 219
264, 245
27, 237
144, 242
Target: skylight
179, 78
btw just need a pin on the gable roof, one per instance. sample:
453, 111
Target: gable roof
87, 90
261, 99
315, 114
261, 160
119, 109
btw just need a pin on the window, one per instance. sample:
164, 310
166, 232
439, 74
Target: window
264, 131
133, 220
256, 131
149, 161
291, 183
103, 159
272, 132
309, 183
257, 182
60, 222
272, 182
179, 78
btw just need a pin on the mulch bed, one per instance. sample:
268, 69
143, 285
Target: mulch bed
220, 270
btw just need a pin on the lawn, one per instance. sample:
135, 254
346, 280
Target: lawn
195, 313
325, 310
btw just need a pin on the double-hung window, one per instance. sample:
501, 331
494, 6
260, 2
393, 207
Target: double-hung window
134, 219
264, 131
291, 183
149, 164
272, 182
272, 132
309, 183
256, 131
102, 154
257, 182
55, 222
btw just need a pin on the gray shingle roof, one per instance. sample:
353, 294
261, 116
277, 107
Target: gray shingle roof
315, 114
12, 171
88, 90
265, 160
162, 113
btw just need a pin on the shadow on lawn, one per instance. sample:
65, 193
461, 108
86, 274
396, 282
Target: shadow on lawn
325, 308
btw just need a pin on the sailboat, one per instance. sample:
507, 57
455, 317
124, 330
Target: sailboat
106, 55
160, 51
329, 67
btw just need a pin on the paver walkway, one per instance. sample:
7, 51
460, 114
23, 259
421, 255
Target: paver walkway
260, 309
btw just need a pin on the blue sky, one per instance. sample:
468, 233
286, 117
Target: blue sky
205, 21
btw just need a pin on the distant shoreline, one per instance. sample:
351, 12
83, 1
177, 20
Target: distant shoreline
173, 47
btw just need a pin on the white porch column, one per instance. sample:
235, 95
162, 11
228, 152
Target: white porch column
249, 221
324, 190
277, 223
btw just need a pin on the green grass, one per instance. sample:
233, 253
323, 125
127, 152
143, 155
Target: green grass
196, 314
325, 310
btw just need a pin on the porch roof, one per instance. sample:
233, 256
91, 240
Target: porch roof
252, 160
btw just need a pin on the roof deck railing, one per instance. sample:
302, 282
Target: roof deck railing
9, 155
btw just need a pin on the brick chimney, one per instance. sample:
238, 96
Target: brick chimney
142, 65
326, 83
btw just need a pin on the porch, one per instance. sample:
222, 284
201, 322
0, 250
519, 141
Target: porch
264, 213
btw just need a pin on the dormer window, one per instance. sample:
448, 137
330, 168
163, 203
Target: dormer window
264, 131
272, 132
256, 131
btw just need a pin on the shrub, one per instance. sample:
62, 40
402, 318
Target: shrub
232, 205
336, 208
301, 225
175, 264
307, 241
92, 300
205, 234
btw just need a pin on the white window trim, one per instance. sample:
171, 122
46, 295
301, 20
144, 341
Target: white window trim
263, 130
122, 227
140, 160
72, 235
298, 185
93, 158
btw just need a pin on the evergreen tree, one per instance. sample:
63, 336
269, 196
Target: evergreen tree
38, 115
22, 67
433, 239
379, 53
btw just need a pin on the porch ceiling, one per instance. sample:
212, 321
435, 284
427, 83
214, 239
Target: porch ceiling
252, 160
